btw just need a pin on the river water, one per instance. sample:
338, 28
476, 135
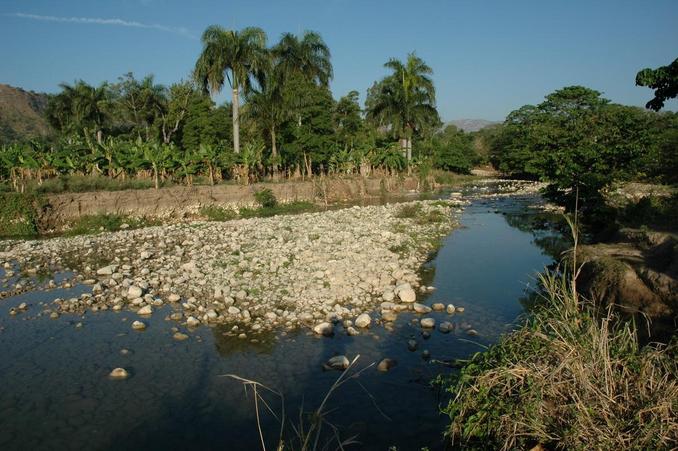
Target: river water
55, 392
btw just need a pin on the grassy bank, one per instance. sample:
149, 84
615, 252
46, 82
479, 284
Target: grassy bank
18, 215
566, 379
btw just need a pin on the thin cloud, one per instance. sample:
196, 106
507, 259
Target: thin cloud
101, 21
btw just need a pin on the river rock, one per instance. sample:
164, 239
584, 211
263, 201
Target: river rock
459, 309
173, 298
407, 295
386, 365
325, 329
106, 270
446, 327
428, 323
119, 373
438, 307
412, 345
192, 321
472, 332
388, 315
180, 336
421, 308
134, 292
363, 320
138, 325
450, 309
339, 362
145, 310
352, 331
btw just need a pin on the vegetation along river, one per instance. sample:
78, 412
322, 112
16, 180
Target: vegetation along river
56, 393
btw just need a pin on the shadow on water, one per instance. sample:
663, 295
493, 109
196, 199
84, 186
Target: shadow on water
56, 393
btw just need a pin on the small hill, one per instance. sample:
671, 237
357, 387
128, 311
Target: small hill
471, 125
22, 114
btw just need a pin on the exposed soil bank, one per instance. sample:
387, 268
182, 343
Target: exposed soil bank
179, 201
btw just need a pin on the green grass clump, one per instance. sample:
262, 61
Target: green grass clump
82, 183
18, 215
567, 379
92, 224
408, 211
431, 217
280, 209
265, 198
214, 213
651, 211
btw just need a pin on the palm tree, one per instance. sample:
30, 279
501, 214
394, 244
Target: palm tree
404, 100
236, 56
307, 56
80, 107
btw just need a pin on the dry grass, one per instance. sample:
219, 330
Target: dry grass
312, 430
568, 380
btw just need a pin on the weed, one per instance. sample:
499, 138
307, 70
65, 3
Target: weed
214, 213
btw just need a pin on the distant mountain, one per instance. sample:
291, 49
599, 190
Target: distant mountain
471, 125
22, 114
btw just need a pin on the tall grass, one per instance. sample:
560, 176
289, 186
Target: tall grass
567, 379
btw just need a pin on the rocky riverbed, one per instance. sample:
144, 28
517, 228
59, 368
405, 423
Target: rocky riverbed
310, 270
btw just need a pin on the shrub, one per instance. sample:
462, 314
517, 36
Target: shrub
214, 213
265, 198
408, 211
18, 215
91, 224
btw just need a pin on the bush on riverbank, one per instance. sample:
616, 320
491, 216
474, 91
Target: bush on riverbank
91, 224
18, 217
567, 379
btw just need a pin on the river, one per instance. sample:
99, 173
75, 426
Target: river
56, 393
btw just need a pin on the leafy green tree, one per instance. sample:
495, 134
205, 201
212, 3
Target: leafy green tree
347, 119
236, 56
664, 81
405, 100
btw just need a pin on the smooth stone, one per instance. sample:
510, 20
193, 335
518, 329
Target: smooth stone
446, 327
119, 373
426, 354
363, 320
407, 295
472, 332
180, 336
459, 309
145, 310
352, 331
386, 365
174, 298
428, 323
339, 362
324, 328
134, 292
438, 307
450, 309
191, 321
421, 308
138, 325
106, 270
389, 315
412, 345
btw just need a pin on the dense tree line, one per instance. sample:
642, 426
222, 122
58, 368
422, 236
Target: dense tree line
281, 120
581, 144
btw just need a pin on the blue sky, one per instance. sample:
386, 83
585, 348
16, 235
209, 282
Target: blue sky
489, 57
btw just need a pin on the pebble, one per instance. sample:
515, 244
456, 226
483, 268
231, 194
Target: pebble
446, 327
421, 308
119, 373
192, 321
450, 309
180, 336
145, 310
326, 329
438, 307
363, 321
386, 365
412, 345
138, 325
428, 323
339, 362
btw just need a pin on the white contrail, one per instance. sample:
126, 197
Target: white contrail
101, 21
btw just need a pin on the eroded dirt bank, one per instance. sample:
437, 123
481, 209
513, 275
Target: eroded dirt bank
179, 201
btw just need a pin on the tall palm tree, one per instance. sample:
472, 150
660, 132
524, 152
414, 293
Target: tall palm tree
405, 100
236, 56
307, 55
80, 108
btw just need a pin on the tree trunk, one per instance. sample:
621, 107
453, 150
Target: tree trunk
409, 149
403, 146
236, 120
274, 153
155, 178
100, 136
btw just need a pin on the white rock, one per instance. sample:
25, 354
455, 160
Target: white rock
325, 329
407, 295
192, 321
339, 362
450, 309
106, 270
145, 310
428, 323
138, 325
421, 308
134, 292
119, 373
363, 320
